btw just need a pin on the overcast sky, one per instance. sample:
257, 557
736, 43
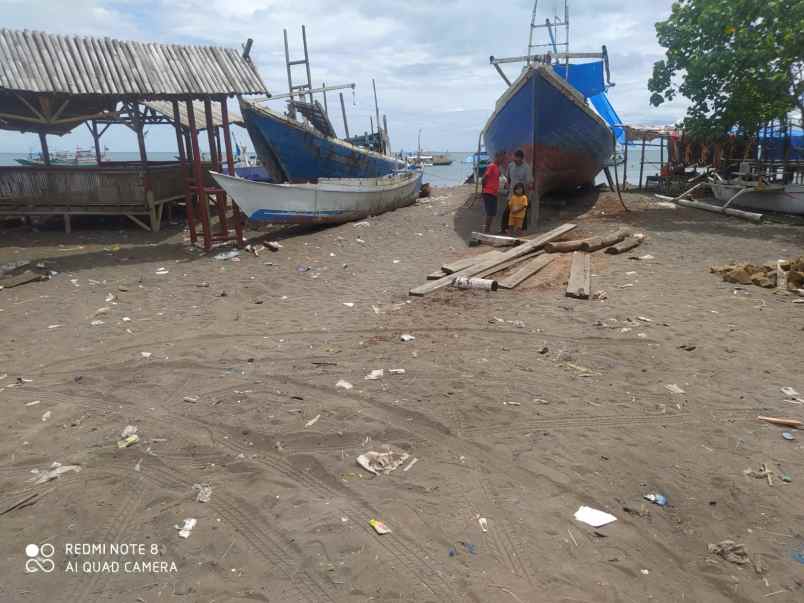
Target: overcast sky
429, 59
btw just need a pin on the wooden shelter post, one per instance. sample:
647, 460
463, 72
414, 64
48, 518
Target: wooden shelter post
642, 163
179, 138
625, 159
96, 138
198, 184
220, 196
230, 168
45, 150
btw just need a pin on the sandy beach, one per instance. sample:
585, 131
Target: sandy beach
520, 406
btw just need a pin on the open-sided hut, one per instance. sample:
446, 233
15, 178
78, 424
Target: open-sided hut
50, 84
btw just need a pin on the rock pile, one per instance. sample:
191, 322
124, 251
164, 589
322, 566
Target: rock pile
770, 275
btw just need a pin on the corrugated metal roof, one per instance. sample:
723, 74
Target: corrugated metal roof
166, 109
32, 61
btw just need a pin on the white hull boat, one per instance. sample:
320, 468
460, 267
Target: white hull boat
330, 201
788, 199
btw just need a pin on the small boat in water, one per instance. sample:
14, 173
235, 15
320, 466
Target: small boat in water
442, 160
78, 157
329, 201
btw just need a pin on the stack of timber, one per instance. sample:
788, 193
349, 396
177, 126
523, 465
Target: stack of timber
487, 264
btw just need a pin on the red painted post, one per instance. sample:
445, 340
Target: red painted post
198, 177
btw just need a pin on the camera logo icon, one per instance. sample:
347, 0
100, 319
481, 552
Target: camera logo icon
39, 558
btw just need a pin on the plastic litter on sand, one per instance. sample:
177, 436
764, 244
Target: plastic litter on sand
593, 517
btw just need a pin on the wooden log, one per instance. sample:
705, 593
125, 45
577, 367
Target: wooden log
595, 243
525, 272
563, 246
580, 280
496, 240
474, 270
625, 245
463, 263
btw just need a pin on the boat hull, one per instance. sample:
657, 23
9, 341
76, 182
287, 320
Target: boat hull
292, 152
331, 201
787, 201
564, 141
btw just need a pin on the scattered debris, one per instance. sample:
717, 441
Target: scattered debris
128, 431
349, 304
656, 499
413, 461
789, 391
397, 371
227, 255
406, 338
731, 552
484, 524
344, 385
46, 416
162, 271
146, 355
33, 403
781, 422
600, 295
465, 282
56, 470
97, 323
204, 492
788, 436
593, 517
674, 389
312, 421
128, 441
190, 399
187, 527
274, 245
379, 526
375, 374
381, 462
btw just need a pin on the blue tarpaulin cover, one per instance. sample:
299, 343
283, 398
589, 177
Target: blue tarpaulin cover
587, 78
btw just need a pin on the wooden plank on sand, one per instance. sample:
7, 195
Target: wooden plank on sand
496, 240
508, 264
459, 265
580, 280
525, 272
520, 250
434, 276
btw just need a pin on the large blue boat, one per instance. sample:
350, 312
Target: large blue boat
566, 143
546, 112
292, 151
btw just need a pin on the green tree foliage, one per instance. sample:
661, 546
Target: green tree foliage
739, 62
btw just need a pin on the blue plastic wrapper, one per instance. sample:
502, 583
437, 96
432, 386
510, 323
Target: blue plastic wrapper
656, 499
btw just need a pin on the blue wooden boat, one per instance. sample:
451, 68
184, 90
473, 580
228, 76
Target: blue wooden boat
564, 140
294, 152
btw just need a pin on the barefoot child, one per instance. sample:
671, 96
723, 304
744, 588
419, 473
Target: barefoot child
517, 206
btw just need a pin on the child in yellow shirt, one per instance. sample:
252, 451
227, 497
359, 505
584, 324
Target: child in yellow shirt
517, 206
